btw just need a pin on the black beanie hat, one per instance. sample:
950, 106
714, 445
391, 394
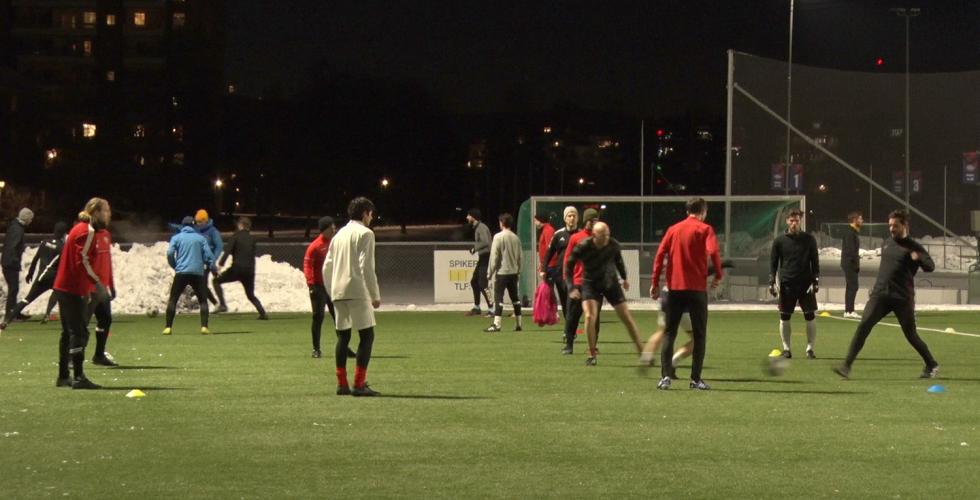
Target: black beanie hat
475, 213
324, 222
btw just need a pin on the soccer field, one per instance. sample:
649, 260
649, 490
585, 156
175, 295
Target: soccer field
246, 413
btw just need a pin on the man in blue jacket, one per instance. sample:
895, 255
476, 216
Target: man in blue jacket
189, 255
204, 225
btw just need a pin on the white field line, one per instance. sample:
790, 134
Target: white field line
917, 327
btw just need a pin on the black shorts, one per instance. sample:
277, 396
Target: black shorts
791, 294
612, 292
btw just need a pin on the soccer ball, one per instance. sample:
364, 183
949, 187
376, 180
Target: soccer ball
152, 313
775, 366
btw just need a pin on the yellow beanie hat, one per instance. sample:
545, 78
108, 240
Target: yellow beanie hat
201, 216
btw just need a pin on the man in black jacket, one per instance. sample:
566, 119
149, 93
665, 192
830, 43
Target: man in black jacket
894, 291
850, 261
552, 273
241, 247
13, 249
45, 264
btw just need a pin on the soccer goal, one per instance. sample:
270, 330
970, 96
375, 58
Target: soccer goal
745, 225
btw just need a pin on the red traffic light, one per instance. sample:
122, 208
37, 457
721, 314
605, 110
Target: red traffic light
660, 132
879, 62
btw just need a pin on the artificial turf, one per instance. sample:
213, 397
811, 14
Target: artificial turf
247, 413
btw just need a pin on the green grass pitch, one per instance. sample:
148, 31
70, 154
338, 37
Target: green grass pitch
246, 413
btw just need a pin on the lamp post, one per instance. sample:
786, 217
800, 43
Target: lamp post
908, 14
789, 98
218, 192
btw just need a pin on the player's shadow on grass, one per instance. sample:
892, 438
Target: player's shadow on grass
784, 391
128, 388
390, 357
233, 332
430, 396
757, 380
887, 360
141, 367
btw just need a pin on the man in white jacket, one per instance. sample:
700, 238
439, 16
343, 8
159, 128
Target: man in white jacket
348, 272
505, 263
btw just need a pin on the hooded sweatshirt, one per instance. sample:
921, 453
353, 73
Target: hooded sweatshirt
189, 252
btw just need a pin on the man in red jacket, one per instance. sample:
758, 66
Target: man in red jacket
73, 284
102, 264
687, 246
313, 270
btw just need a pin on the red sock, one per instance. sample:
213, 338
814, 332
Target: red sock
342, 377
360, 374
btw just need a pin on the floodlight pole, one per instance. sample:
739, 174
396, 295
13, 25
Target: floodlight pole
789, 99
728, 151
642, 168
908, 14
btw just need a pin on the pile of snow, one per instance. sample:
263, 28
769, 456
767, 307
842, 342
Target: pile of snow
143, 279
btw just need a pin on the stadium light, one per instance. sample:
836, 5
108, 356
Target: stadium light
385, 182
218, 184
908, 14
581, 181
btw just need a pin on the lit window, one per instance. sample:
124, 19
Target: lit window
110, 76
141, 160
231, 89
87, 47
139, 18
139, 131
110, 20
88, 130
180, 19
88, 18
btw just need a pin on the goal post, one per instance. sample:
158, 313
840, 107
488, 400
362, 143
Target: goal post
745, 225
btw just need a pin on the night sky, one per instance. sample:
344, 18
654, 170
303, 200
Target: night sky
651, 58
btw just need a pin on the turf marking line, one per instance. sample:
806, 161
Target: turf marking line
917, 327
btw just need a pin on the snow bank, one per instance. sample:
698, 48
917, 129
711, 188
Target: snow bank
143, 279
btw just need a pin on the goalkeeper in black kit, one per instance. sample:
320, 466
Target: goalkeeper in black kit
894, 291
794, 256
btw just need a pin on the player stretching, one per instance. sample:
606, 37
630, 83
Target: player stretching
601, 260
894, 291
794, 256
348, 271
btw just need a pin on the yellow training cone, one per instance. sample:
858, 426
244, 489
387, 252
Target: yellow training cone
135, 393
825, 314
775, 353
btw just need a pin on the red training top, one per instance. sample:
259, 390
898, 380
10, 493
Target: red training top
687, 244
547, 232
75, 273
102, 260
579, 269
316, 253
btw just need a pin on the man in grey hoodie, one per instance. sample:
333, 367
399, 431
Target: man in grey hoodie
481, 248
505, 266
13, 249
